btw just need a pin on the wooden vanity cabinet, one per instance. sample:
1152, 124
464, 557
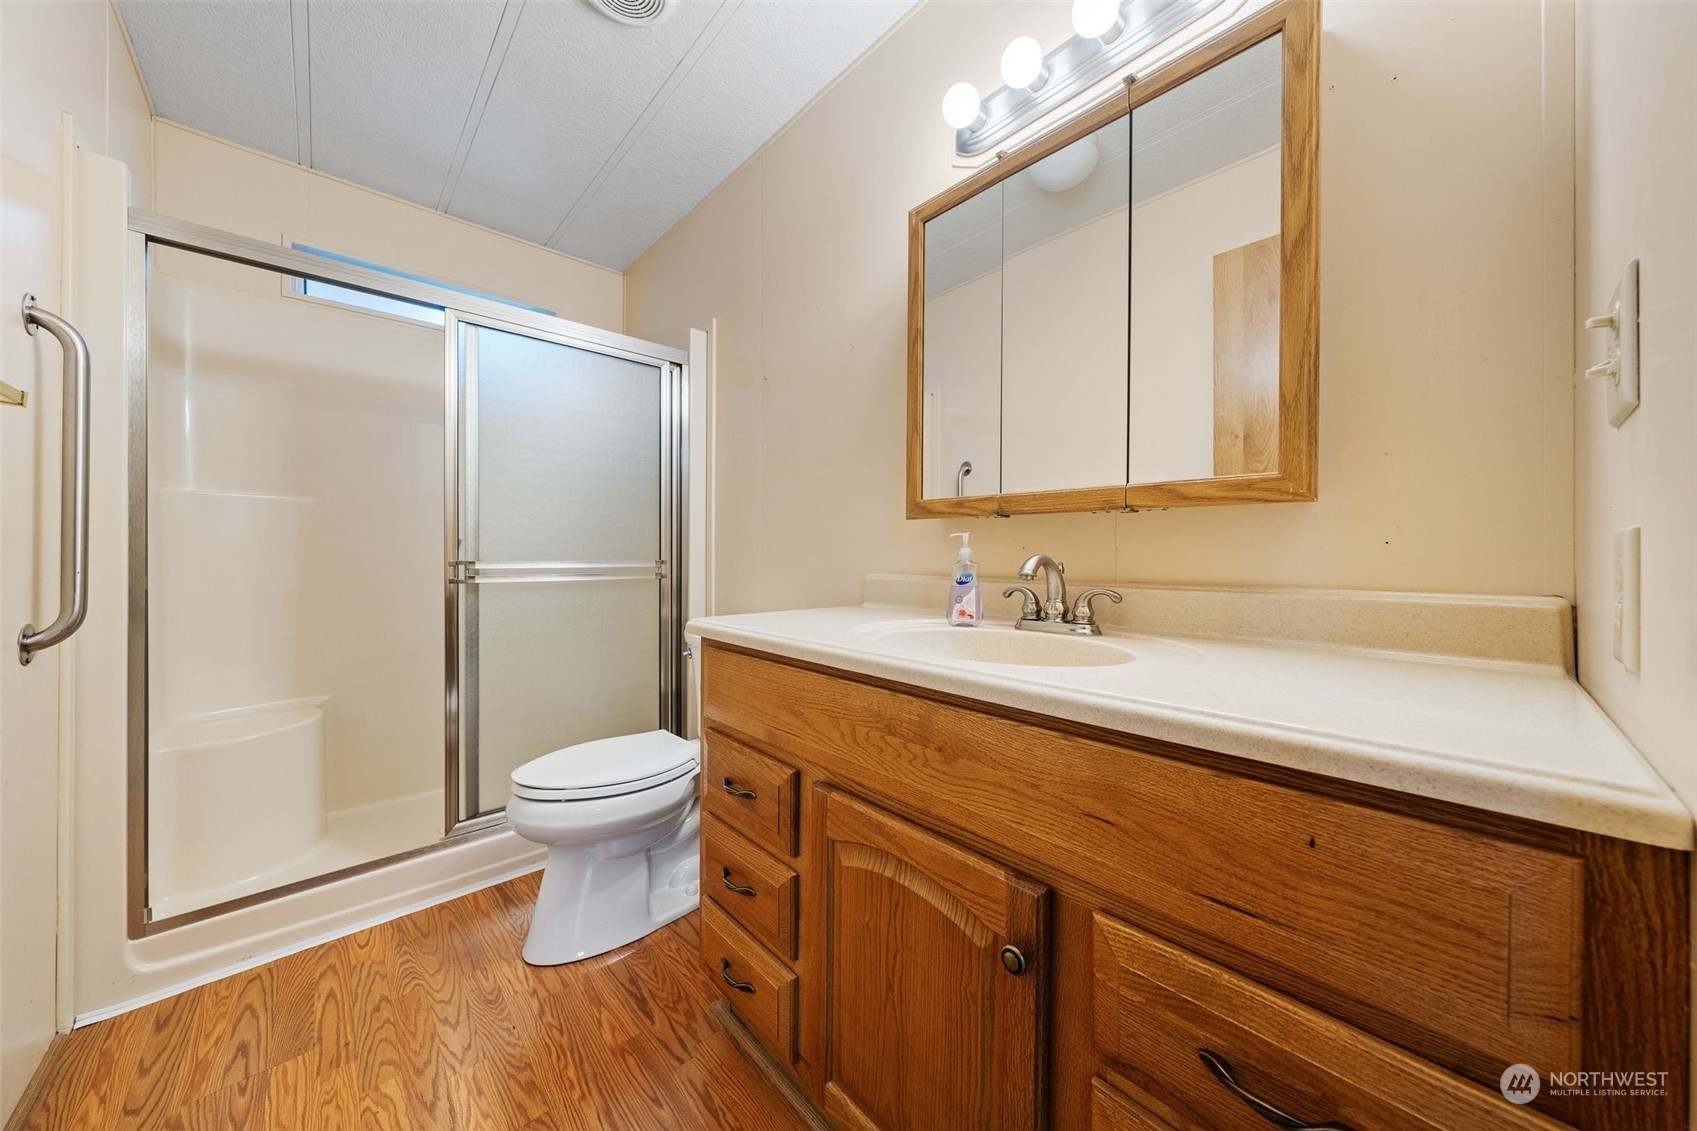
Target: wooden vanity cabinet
1005, 921
933, 972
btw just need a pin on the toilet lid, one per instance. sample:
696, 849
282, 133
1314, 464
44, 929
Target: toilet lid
607, 767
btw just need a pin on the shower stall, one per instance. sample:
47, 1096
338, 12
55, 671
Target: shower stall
388, 540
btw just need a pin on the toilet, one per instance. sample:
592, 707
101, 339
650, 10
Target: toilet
621, 820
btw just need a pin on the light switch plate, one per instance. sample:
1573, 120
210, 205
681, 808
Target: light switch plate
1623, 394
1620, 368
1628, 599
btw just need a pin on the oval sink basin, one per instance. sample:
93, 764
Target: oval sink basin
1005, 646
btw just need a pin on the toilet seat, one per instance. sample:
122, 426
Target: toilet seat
607, 767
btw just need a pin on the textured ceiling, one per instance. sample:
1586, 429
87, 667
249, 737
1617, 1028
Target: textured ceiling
542, 118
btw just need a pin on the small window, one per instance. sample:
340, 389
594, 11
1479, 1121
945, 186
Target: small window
385, 304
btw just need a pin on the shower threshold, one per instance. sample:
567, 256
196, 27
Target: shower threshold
352, 837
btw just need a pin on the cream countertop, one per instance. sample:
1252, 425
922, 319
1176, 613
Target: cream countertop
1519, 738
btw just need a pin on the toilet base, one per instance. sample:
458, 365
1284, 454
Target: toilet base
591, 903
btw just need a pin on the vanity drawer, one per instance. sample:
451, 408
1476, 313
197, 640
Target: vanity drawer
1110, 1110
1158, 1008
754, 794
759, 892
760, 989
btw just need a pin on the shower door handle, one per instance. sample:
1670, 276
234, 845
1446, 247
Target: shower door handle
73, 486
483, 573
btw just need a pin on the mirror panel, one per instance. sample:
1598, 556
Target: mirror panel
963, 347
1205, 273
1123, 313
1064, 312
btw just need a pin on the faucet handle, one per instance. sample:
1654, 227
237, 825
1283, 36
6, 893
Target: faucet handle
1082, 613
1029, 608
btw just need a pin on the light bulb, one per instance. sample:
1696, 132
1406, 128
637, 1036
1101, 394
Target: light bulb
962, 108
1097, 19
1022, 64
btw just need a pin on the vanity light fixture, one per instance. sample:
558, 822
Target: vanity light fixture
1022, 65
1113, 35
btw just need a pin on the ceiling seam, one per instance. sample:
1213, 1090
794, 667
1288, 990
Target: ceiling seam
300, 35
135, 60
674, 80
504, 30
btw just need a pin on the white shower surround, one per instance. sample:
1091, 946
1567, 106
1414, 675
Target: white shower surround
294, 479
105, 971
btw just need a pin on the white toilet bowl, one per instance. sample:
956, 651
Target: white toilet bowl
621, 821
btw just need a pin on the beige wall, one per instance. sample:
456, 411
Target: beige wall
1445, 457
54, 58
223, 185
1636, 188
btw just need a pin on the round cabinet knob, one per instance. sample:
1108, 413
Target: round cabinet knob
1013, 961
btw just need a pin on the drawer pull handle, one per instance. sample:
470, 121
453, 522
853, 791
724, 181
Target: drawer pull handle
1013, 960
745, 794
725, 973
1222, 1071
725, 875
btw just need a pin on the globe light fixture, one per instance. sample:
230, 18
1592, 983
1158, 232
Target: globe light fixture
1097, 19
962, 107
1022, 64
1067, 168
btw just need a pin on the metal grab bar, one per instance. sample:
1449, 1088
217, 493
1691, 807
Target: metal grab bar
961, 473
73, 486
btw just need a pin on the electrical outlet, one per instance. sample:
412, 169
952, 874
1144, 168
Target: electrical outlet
1628, 611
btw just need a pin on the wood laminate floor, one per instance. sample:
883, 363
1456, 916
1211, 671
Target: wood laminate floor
429, 1021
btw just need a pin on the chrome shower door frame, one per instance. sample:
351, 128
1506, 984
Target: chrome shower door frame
147, 229
465, 573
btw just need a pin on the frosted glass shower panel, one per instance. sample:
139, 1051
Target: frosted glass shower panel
562, 601
568, 452
561, 663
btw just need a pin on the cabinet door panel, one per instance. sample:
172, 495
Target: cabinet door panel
927, 1027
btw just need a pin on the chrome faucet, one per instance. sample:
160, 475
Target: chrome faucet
1054, 584
1052, 615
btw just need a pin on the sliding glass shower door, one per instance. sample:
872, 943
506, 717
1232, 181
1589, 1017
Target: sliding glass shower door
564, 615
369, 518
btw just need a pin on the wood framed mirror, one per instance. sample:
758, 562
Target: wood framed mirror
1124, 312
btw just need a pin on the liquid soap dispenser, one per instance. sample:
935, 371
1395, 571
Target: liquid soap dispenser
966, 607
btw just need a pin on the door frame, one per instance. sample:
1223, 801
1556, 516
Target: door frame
147, 229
